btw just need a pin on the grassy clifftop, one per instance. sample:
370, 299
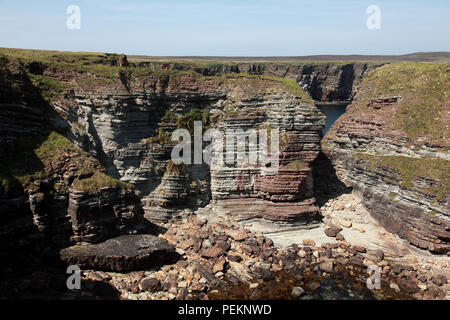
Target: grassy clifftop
423, 111
55, 72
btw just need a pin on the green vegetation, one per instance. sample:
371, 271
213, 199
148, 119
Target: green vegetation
187, 120
424, 88
38, 158
173, 168
296, 165
90, 70
263, 81
162, 137
50, 88
393, 194
410, 170
97, 181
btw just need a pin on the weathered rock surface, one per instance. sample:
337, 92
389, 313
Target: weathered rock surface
396, 155
323, 81
124, 253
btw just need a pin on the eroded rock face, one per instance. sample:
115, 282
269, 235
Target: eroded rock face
99, 216
122, 130
45, 174
396, 156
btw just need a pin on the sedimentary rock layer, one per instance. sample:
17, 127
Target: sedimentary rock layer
323, 81
392, 146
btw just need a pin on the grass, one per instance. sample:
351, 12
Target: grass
425, 103
98, 181
187, 120
39, 158
409, 170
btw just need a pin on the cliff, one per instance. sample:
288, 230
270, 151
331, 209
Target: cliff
324, 81
121, 117
392, 147
44, 175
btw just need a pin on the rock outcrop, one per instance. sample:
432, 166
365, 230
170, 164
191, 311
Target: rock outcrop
392, 147
124, 253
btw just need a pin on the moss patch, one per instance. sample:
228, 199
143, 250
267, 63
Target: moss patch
409, 170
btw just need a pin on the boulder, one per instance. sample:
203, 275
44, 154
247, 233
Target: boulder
124, 253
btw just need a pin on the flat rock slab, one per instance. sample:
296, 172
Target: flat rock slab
124, 253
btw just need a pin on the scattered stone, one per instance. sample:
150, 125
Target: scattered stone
238, 235
253, 285
219, 265
359, 249
297, 292
186, 244
345, 223
212, 252
379, 254
327, 266
394, 287
313, 286
332, 230
149, 284
234, 258
439, 280
308, 242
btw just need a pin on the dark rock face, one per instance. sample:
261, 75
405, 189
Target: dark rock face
98, 216
124, 253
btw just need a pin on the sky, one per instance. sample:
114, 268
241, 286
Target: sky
227, 27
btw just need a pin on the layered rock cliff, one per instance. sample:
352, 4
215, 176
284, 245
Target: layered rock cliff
123, 116
333, 81
392, 147
46, 177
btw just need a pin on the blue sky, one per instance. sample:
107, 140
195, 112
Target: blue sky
228, 27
